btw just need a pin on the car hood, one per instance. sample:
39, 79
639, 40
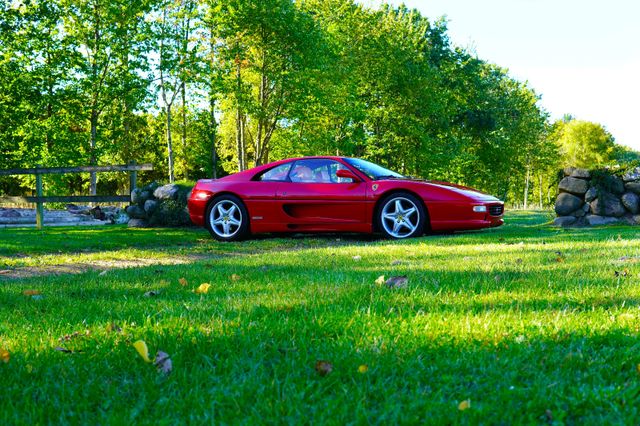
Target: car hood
459, 189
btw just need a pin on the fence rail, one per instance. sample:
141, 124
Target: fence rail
39, 199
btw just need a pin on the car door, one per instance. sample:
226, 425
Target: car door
315, 197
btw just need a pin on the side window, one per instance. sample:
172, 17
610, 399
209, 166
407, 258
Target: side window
316, 171
277, 174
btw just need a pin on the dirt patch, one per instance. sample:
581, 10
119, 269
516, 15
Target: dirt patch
103, 266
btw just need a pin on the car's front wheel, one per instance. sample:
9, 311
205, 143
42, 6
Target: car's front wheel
227, 218
400, 216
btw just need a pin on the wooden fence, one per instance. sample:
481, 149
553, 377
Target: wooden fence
39, 199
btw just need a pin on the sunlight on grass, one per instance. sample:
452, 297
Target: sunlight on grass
523, 321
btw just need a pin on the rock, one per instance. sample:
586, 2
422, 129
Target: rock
581, 173
151, 187
97, 213
136, 212
135, 196
632, 175
166, 192
607, 205
636, 219
120, 219
586, 207
150, 206
573, 185
595, 220
633, 187
630, 201
567, 203
591, 194
564, 221
568, 170
578, 213
144, 196
615, 185
137, 223
10, 213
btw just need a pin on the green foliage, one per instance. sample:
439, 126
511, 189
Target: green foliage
584, 144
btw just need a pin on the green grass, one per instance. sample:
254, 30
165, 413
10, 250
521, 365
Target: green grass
530, 323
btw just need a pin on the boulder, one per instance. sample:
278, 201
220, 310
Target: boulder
581, 173
578, 213
630, 201
150, 206
615, 185
137, 223
567, 203
636, 219
166, 192
144, 196
136, 212
568, 170
632, 175
564, 221
591, 194
120, 218
573, 185
10, 213
633, 187
135, 196
97, 213
607, 205
595, 220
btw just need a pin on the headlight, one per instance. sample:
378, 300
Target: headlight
480, 209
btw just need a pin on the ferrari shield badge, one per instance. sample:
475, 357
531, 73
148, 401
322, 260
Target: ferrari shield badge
374, 187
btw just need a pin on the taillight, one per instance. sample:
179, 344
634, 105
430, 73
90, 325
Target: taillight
200, 195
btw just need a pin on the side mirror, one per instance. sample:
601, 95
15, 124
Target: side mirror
347, 174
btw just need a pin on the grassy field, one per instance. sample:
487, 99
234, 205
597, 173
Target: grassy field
520, 324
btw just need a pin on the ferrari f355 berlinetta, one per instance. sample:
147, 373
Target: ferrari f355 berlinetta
336, 194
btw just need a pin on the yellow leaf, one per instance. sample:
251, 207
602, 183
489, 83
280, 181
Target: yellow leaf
203, 288
4, 355
363, 369
464, 405
235, 277
142, 349
638, 368
183, 282
31, 292
380, 280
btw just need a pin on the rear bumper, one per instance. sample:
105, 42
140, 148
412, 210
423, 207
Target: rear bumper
197, 210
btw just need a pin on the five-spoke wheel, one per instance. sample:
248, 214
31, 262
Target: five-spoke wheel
401, 216
227, 218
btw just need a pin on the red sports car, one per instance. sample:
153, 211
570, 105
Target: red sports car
336, 194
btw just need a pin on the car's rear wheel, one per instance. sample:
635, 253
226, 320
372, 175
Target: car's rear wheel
227, 218
401, 215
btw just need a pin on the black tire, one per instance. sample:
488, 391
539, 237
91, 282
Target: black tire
227, 218
401, 215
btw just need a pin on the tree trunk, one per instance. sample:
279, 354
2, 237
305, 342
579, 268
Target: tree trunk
540, 190
526, 188
92, 143
212, 135
184, 126
170, 145
239, 120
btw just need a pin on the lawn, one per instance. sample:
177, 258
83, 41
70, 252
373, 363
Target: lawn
522, 324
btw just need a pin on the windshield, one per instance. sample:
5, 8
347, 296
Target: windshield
373, 171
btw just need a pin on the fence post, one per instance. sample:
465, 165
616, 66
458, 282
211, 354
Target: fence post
133, 178
39, 204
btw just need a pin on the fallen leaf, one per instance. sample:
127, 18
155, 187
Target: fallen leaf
638, 368
357, 258
4, 355
31, 292
396, 262
497, 278
113, 328
464, 405
5, 271
103, 273
323, 367
235, 277
183, 282
380, 280
142, 349
151, 293
622, 273
163, 362
363, 369
203, 288
548, 415
397, 282
518, 261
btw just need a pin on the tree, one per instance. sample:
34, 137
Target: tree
583, 143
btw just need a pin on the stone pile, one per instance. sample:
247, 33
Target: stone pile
155, 205
589, 198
